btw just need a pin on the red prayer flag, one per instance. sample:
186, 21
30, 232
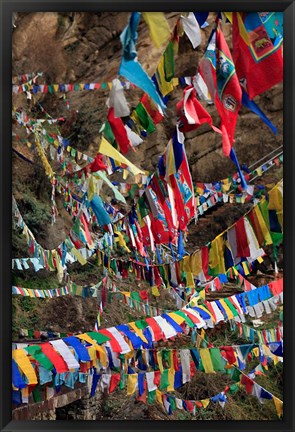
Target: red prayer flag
218, 71
257, 51
56, 359
119, 131
149, 105
190, 111
115, 379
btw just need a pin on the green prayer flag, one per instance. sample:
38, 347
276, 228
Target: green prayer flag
164, 383
134, 188
36, 394
235, 374
122, 381
135, 296
98, 337
231, 307
233, 389
141, 324
187, 319
113, 266
169, 62
216, 359
145, 118
108, 133
152, 396
166, 357
172, 403
263, 206
36, 352
143, 207
163, 275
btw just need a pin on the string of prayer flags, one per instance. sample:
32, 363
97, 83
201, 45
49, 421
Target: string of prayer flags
258, 223
178, 372
167, 325
66, 88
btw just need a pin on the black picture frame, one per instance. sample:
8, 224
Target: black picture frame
7, 8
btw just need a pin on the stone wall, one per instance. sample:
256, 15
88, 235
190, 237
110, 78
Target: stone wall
70, 405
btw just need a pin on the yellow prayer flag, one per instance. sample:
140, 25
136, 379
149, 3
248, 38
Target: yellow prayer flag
229, 16
166, 87
202, 295
138, 331
155, 291
190, 280
170, 160
263, 226
91, 188
194, 301
275, 199
186, 264
159, 359
206, 360
205, 402
159, 396
196, 262
121, 240
279, 406
79, 257
216, 255
256, 351
107, 149
21, 359
131, 384
59, 268
79, 290
176, 317
203, 333
92, 352
259, 171
275, 360
158, 26
102, 352
171, 374
227, 309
